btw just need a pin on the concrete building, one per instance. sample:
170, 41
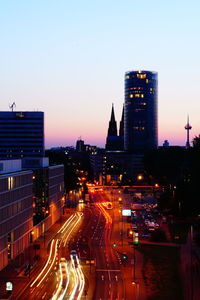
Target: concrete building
48, 191
16, 212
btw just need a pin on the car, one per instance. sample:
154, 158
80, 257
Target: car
73, 253
151, 228
62, 260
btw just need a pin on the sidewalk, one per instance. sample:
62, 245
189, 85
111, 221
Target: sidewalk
36, 258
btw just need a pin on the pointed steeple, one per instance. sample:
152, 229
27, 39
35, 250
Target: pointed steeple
121, 126
112, 129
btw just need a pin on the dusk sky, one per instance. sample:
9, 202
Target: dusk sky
68, 59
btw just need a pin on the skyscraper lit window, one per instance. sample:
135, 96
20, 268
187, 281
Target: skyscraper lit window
139, 138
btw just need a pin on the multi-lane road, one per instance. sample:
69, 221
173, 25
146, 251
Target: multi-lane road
104, 264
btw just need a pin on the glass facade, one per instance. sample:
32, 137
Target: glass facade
21, 134
140, 111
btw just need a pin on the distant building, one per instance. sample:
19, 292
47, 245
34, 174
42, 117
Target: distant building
116, 167
166, 144
21, 134
80, 146
140, 111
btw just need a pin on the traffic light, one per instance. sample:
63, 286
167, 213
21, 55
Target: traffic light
124, 257
135, 238
114, 244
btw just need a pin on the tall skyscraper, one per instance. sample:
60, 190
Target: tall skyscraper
140, 111
21, 134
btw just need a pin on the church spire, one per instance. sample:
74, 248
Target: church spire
112, 129
121, 126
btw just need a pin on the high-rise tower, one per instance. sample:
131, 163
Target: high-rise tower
188, 127
140, 111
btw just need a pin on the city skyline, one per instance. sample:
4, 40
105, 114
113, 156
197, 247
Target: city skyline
69, 60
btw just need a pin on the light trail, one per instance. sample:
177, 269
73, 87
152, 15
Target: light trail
79, 219
65, 231
64, 282
51, 265
66, 224
47, 263
75, 279
79, 279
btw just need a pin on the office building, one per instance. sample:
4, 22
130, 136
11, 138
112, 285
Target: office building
21, 134
140, 111
16, 212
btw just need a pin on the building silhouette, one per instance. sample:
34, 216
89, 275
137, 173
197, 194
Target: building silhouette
114, 142
140, 111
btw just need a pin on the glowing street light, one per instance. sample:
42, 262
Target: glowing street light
139, 177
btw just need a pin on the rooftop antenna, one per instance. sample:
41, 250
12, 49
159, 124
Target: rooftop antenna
12, 106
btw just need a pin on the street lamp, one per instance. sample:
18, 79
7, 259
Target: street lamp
139, 177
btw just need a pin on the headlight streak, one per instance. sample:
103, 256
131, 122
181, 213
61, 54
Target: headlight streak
75, 279
79, 279
62, 288
52, 263
47, 263
78, 276
79, 218
66, 224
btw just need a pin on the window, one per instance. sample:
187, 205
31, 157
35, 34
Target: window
138, 127
141, 76
10, 183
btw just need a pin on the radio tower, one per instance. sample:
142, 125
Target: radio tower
188, 127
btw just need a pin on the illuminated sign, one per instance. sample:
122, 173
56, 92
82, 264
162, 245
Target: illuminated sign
126, 212
9, 286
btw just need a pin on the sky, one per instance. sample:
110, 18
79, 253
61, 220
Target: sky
68, 59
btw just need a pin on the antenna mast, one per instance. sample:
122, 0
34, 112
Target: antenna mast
12, 106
